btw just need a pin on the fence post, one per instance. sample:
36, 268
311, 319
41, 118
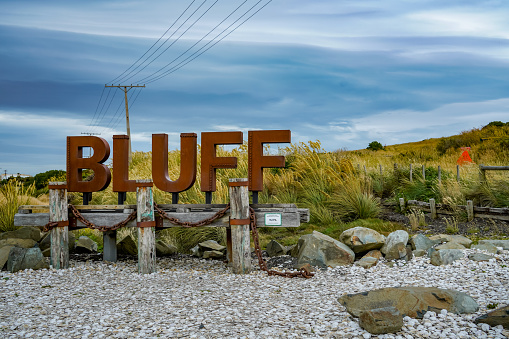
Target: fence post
433, 208
395, 166
381, 170
439, 174
365, 171
59, 235
411, 179
110, 246
470, 210
458, 173
402, 204
423, 173
146, 223
239, 224
482, 174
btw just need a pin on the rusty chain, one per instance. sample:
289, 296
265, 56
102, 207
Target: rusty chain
263, 265
91, 225
203, 222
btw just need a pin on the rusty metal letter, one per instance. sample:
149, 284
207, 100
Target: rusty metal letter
121, 182
209, 160
76, 163
257, 161
187, 163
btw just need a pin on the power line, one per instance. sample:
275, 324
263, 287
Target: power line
174, 41
155, 43
97, 107
196, 43
191, 58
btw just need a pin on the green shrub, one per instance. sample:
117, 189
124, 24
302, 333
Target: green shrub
12, 195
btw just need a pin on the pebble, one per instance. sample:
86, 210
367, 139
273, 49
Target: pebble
195, 298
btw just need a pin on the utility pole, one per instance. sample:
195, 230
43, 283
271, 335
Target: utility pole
127, 88
90, 148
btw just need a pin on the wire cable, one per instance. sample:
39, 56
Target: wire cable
95, 113
196, 43
191, 58
176, 40
155, 43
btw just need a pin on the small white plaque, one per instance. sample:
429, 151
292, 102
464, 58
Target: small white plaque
273, 219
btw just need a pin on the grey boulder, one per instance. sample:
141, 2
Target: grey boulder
27, 232
320, 250
446, 256
495, 318
421, 242
275, 249
24, 258
362, 239
410, 301
395, 245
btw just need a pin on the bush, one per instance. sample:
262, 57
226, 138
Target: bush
375, 146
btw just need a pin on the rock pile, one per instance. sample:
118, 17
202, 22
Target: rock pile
382, 311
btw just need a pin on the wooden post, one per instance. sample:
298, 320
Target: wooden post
146, 223
358, 168
402, 204
458, 173
381, 170
59, 235
110, 246
439, 174
433, 208
395, 167
423, 173
365, 170
470, 210
482, 174
239, 221
411, 179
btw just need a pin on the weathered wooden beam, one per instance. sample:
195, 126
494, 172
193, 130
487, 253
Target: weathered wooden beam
239, 212
60, 234
110, 246
470, 210
433, 208
146, 227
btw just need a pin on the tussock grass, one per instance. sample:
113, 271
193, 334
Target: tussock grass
12, 195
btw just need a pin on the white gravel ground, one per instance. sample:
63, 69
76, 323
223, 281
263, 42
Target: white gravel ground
193, 298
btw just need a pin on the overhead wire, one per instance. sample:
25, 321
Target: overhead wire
96, 109
214, 42
196, 43
103, 111
155, 43
177, 39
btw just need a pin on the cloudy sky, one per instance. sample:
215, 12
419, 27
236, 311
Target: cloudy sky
343, 72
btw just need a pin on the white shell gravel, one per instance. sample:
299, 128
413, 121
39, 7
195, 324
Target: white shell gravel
197, 298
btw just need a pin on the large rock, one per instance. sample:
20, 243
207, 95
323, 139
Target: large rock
275, 249
45, 242
495, 318
127, 246
452, 245
497, 243
381, 320
421, 242
490, 248
85, 245
320, 250
24, 258
211, 245
410, 301
459, 239
4, 255
480, 257
24, 243
370, 259
362, 239
27, 232
446, 256
395, 245
163, 249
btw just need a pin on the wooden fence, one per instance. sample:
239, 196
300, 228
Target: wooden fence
472, 211
147, 221
482, 171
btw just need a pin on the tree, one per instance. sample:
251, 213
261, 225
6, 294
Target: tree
375, 146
